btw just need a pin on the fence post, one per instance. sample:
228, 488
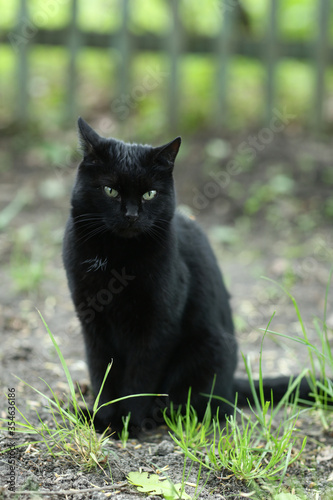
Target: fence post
120, 103
320, 61
73, 45
174, 50
224, 49
124, 47
271, 56
22, 50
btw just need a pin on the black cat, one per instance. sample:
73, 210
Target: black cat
146, 286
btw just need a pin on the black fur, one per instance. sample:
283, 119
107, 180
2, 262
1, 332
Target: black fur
146, 285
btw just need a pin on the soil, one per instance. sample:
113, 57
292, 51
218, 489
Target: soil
260, 224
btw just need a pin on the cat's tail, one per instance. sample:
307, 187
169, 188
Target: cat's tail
277, 386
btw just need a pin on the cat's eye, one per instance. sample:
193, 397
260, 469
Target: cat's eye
111, 192
149, 195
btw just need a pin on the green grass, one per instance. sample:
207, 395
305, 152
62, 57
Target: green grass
186, 425
124, 434
251, 447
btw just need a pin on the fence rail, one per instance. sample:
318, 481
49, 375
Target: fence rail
228, 43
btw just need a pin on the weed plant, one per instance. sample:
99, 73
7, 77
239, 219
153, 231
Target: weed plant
250, 447
187, 427
124, 434
71, 434
319, 375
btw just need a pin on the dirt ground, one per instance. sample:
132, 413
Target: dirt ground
270, 217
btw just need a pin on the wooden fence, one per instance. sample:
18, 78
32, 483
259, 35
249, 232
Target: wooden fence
228, 42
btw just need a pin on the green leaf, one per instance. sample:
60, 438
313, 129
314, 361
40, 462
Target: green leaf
158, 485
286, 496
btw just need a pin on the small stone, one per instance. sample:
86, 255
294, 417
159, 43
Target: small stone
164, 448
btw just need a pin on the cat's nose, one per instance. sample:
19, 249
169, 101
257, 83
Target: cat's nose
132, 216
131, 212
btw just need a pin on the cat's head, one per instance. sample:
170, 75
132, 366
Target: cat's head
126, 189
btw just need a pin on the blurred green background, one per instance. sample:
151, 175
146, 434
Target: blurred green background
148, 64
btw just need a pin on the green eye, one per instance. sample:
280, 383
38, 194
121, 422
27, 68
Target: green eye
112, 193
149, 195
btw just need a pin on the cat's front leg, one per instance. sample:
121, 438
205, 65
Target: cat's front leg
100, 353
141, 386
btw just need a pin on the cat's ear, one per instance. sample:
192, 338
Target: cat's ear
169, 151
90, 141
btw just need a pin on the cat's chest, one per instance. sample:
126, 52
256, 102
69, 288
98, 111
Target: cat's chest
100, 274
129, 284
130, 293
119, 293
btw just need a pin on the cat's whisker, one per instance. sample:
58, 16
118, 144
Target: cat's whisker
90, 224
86, 214
155, 234
93, 232
86, 218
